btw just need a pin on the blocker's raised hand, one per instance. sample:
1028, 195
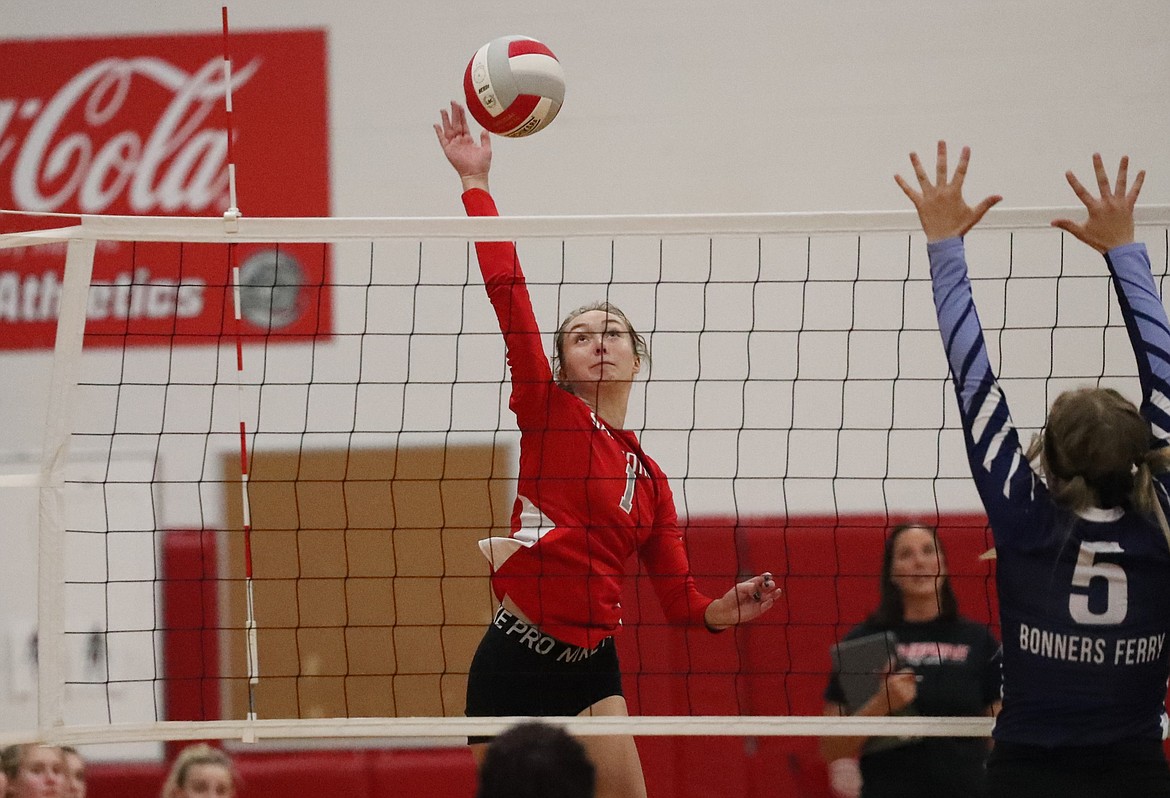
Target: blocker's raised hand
1110, 222
941, 208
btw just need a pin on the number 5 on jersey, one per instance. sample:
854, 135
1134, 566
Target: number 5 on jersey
1088, 569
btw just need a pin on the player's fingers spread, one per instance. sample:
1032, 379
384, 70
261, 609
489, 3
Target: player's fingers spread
1078, 189
961, 167
919, 172
909, 192
1102, 175
940, 166
988, 203
1137, 187
1122, 176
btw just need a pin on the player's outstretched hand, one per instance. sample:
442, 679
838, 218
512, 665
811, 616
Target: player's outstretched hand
471, 160
744, 602
941, 207
1110, 222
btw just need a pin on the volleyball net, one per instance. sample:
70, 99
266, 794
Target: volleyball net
272, 444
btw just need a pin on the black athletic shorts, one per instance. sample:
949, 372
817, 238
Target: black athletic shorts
1133, 769
519, 670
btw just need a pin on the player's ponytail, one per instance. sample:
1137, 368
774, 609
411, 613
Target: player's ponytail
1145, 494
1095, 452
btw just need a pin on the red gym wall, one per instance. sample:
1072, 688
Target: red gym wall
777, 665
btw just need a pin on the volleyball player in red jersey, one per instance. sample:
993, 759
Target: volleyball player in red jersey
587, 498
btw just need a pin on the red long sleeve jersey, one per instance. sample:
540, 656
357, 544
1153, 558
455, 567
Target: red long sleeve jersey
587, 495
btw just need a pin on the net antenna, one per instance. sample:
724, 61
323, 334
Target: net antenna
233, 212
231, 224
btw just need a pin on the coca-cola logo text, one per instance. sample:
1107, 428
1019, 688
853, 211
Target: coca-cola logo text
180, 166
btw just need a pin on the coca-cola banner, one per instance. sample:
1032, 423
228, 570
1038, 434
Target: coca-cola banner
138, 125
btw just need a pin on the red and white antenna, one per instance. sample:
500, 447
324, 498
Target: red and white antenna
233, 211
231, 219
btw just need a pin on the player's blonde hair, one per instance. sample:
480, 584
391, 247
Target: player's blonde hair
1095, 452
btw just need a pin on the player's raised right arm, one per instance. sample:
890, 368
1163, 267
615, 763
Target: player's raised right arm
1109, 229
498, 262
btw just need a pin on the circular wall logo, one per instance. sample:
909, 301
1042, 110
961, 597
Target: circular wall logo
271, 284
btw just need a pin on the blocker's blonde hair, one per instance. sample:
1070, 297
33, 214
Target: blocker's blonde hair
1095, 452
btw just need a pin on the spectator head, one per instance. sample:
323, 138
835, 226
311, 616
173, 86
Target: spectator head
893, 587
201, 771
33, 771
536, 760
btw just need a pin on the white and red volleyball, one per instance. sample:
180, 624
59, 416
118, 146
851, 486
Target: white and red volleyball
514, 86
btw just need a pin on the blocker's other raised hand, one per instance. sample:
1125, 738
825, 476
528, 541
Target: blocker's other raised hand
941, 208
1110, 222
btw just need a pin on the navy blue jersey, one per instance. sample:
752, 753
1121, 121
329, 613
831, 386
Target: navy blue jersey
1084, 598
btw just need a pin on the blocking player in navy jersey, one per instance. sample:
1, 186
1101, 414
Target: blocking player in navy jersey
1083, 569
945, 665
588, 497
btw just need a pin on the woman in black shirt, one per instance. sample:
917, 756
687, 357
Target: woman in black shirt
941, 664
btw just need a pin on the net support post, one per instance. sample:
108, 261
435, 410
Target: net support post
54, 459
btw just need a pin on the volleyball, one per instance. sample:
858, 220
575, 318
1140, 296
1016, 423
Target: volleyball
514, 86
